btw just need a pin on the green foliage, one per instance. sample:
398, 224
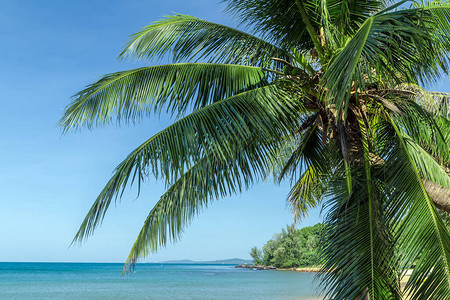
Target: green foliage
256, 254
175, 88
291, 248
188, 38
445, 218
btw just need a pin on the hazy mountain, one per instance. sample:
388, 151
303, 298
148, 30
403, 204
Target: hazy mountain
231, 261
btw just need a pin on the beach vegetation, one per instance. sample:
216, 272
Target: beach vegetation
291, 248
256, 255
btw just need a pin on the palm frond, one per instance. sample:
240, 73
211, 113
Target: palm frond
346, 16
307, 192
421, 234
217, 129
281, 21
304, 153
422, 127
278, 21
131, 95
210, 178
340, 74
436, 103
427, 166
299, 159
403, 45
188, 38
358, 248
422, 115
440, 104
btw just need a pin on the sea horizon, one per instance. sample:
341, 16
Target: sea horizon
80, 280
175, 261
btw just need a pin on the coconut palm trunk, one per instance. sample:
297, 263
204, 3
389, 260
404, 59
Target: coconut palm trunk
324, 94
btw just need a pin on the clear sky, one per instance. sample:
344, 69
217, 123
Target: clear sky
49, 51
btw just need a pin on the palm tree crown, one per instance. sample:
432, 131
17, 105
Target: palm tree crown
325, 94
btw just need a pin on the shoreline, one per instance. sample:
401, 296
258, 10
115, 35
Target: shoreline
304, 269
297, 269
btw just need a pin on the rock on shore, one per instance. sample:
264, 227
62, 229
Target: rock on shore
308, 269
256, 267
261, 267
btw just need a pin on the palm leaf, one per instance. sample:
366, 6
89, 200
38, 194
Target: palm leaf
346, 16
422, 127
403, 45
218, 129
132, 94
427, 166
210, 178
187, 38
307, 192
304, 154
436, 103
358, 247
422, 234
278, 21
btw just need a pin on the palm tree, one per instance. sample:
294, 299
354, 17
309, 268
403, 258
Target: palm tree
325, 94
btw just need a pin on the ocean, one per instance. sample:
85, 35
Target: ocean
151, 281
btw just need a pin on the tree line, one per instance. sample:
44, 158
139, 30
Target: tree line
291, 248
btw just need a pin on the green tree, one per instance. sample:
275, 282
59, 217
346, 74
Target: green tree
323, 93
293, 247
256, 254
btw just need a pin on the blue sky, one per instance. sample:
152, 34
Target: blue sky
49, 51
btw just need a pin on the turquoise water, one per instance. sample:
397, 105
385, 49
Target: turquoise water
151, 281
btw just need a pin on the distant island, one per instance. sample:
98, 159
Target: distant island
231, 261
